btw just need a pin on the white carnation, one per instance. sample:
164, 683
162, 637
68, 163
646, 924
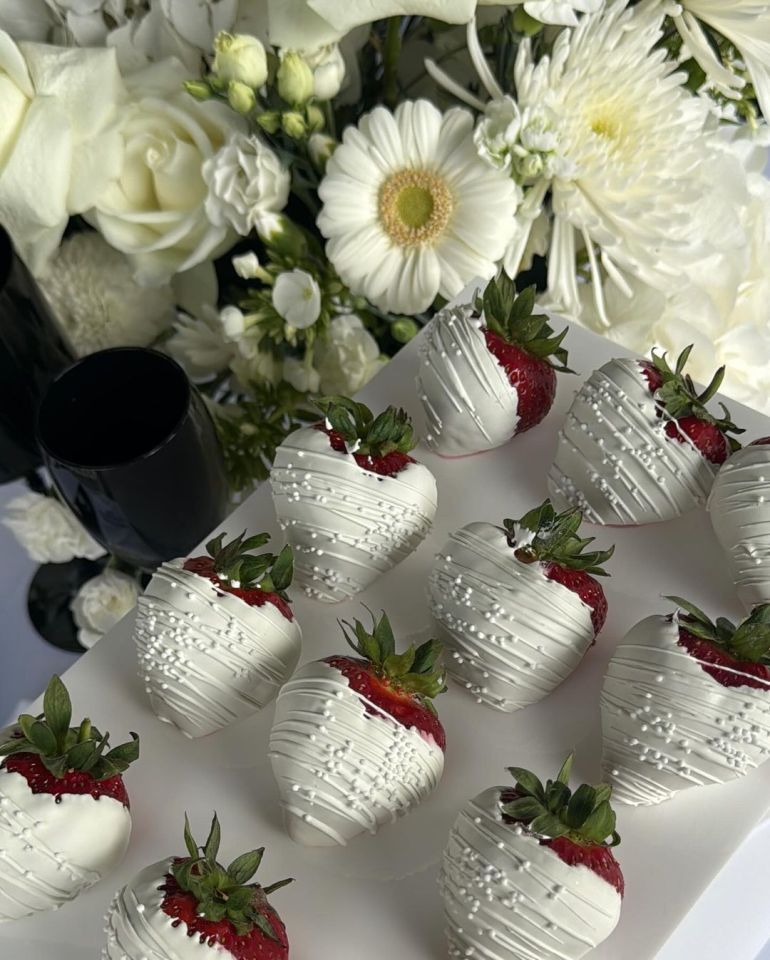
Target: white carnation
49, 531
348, 357
97, 301
199, 343
101, 602
245, 180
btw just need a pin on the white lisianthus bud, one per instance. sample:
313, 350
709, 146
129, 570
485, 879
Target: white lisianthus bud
294, 125
295, 79
246, 265
321, 146
198, 89
297, 298
240, 58
328, 68
315, 117
240, 97
270, 121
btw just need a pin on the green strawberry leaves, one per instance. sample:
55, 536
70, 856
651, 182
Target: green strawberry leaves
546, 536
553, 810
389, 432
414, 671
63, 748
749, 641
510, 316
224, 893
234, 563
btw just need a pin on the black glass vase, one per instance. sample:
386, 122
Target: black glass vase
133, 451
32, 353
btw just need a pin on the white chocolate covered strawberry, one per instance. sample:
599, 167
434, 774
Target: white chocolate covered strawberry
352, 501
64, 811
216, 636
518, 605
638, 444
487, 371
356, 741
739, 507
528, 872
686, 703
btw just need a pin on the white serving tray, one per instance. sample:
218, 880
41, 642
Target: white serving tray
377, 898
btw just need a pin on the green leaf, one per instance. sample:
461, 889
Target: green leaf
57, 765
26, 721
254, 542
690, 608
43, 738
599, 824
82, 756
189, 842
603, 793
751, 641
383, 634
243, 868
211, 849
57, 708
399, 664
125, 753
528, 783
581, 805
524, 809
426, 655
282, 571
548, 826
214, 547
261, 921
557, 795
277, 885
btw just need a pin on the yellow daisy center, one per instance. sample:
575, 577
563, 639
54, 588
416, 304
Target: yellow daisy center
415, 207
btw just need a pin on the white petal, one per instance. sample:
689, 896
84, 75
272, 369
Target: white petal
419, 123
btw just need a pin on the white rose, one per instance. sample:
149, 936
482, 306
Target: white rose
199, 343
96, 300
49, 531
241, 58
246, 181
101, 602
58, 145
348, 357
300, 375
297, 298
328, 66
154, 208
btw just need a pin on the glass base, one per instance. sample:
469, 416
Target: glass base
53, 588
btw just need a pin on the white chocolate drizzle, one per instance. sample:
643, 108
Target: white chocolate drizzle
347, 525
739, 507
512, 634
50, 852
139, 929
669, 725
341, 771
614, 459
507, 897
470, 404
206, 657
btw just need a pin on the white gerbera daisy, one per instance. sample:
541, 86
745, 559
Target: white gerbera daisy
746, 24
410, 209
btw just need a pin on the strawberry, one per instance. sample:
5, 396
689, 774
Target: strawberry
638, 444
356, 740
518, 605
351, 499
194, 906
529, 871
739, 508
216, 636
488, 370
686, 702
64, 811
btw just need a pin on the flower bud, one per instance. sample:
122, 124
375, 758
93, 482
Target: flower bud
404, 329
328, 68
198, 89
294, 125
295, 79
278, 232
241, 58
270, 121
240, 97
321, 146
315, 117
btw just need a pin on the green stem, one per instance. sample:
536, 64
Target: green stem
390, 56
331, 123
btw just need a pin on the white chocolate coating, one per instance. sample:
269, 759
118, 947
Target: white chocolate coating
341, 771
50, 852
470, 404
669, 725
739, 506
206, 657
614, 459
512, 634
347, 526
138, 929
507, 897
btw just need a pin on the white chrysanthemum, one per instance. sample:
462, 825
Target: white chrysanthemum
410, 210
49, 531
100, 603
96, 300
746, 24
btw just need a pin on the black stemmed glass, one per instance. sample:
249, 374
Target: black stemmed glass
32, 352
133, 451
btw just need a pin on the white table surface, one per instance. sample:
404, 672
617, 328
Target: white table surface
381, 890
